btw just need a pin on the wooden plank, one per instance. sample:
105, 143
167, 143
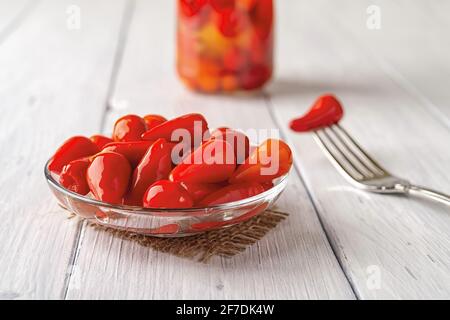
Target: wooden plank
403, 241
53, 85
293, 261
12, 14
409, 35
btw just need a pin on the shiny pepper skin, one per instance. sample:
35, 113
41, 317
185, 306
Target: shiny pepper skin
100, 141
212, 162
155, 165
108, 177
133, 151
72, 149
198, 191
73, 176
272, 159
237, 139
233, 192
129, 128
326, 110
153, 120
223, 168
190, 126
167, 194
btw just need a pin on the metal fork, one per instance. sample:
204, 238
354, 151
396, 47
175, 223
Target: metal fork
363, 171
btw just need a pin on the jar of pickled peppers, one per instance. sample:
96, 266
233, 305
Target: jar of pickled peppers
225, 45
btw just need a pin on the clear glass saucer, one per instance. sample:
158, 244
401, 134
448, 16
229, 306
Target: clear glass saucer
164, 222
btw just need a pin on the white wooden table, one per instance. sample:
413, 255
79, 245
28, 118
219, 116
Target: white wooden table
57, 81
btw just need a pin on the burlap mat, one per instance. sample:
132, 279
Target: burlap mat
225, 242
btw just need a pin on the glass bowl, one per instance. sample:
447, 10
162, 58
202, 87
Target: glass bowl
164, 222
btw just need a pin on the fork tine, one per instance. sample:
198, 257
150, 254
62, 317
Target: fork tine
364, 157
354, 173
347, 149
347, 154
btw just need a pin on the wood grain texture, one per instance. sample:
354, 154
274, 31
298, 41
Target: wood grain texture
411, 46
53, 85
294, 261
56, 82
12, 14
406, 240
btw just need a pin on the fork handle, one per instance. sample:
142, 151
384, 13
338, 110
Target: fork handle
427, 193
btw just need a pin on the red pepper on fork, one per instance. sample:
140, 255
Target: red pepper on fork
327, 110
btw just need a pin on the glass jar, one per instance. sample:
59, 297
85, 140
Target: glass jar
225, 45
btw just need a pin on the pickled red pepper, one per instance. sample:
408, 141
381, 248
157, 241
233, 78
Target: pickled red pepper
141, 168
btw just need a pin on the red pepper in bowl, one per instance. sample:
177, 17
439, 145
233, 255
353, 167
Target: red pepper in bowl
153, 120
72, 149
198, 191
167, 194
100, 141
212, 162
108, 177
133, 151
129, 171
233, 192
155, 165
73, 176
238, 140
129, 128
272, 159
192, 126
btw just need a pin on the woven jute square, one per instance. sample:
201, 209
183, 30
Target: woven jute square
226, 242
